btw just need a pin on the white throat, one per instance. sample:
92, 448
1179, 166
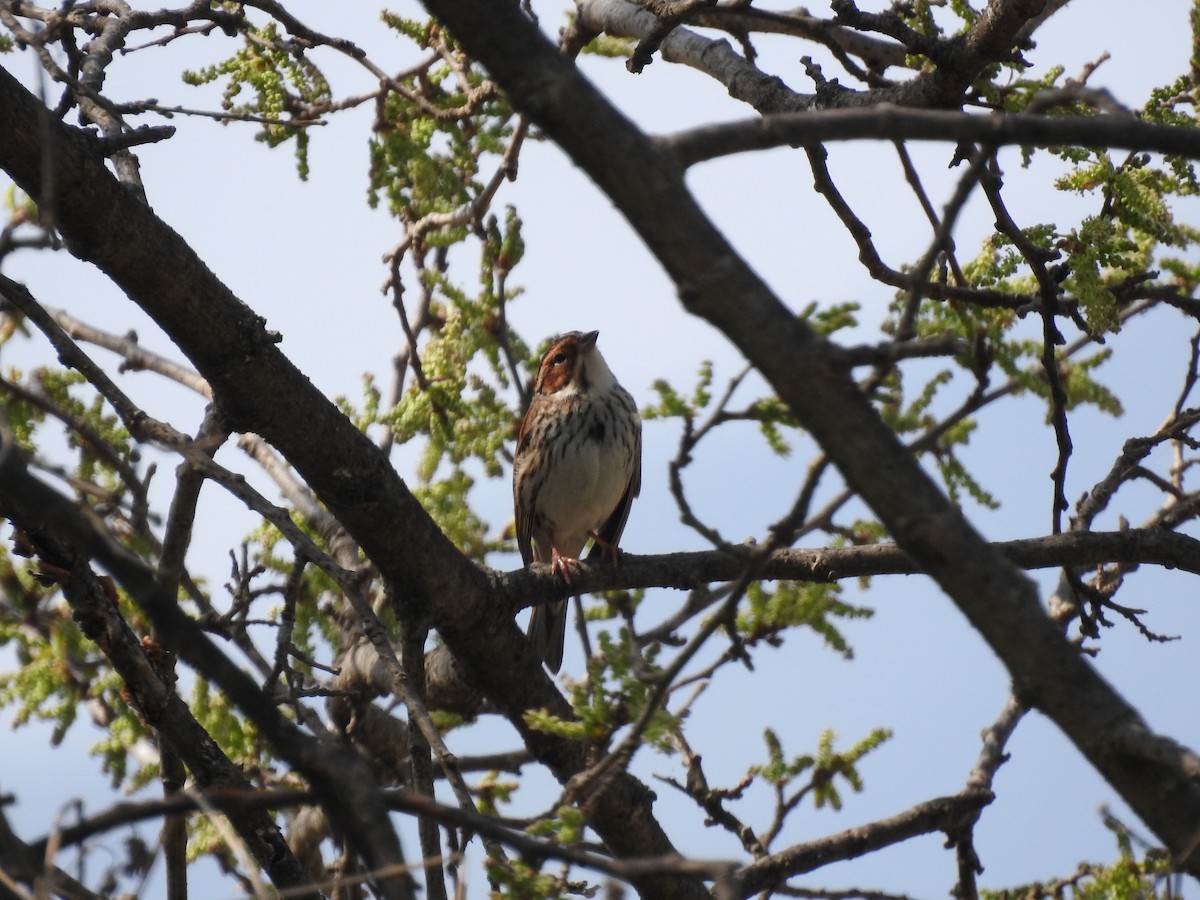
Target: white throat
596, 373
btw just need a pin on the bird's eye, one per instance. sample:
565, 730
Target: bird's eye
559, 359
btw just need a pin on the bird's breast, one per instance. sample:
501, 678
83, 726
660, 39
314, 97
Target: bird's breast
588, 469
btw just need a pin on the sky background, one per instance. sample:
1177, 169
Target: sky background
307, 256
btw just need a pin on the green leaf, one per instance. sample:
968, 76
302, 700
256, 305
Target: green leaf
767, 613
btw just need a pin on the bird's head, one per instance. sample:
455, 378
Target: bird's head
573, 364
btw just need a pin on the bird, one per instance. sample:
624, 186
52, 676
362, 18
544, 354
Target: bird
576, 470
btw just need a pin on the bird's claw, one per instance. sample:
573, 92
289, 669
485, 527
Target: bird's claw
562, 565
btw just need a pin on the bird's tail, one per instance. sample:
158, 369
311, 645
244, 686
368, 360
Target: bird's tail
548, 632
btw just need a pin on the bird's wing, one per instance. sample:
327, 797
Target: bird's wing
611, 530
523, 524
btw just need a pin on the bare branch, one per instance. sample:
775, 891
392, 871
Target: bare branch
887, 122
941, 814
649, 188
1149, 546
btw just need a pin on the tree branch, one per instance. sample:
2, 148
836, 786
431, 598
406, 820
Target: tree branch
683, 571
66, 541
648, 187
888, 122
940, 814
258, 389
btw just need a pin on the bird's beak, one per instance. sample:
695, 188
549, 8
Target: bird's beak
588, 340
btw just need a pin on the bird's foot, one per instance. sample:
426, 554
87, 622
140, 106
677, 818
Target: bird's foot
606, 549
563, 565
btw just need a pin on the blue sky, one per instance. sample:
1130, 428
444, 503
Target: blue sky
307, 257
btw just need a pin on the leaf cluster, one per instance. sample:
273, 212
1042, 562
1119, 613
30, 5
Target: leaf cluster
432, 132
284, 82
768, 612
614, 694
823, 768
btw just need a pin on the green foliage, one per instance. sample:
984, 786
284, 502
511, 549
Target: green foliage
1096, 257
281, 79
542, 720
918, 15
456, 408
22, 416
770, 413
518, 878
1127, 878
1090, 260
454, 402
1015, 94
672, 404
58, 385
446, 500
828, 320
862, 532
1135, 193
1171, 105
431, 135
964, 11
60, 671
1082, 389
124, 729
368, 415
790, 604
432, 139
613, 604
611, 47
313, 629
1136, 220
19, 205
54, 673
490, 793
456, 405
960, 482
612, 696
1000, 262
237, 737
503, 248
566, 827
101, 451
205, 839
515, 879
1185, 274
823, 768
1087, 282
922, 418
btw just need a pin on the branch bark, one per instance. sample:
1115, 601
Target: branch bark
1155, 775
939, 814
67, 542
257, 389
887, 122
1075, 550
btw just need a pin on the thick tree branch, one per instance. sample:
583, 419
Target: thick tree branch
258, 389
22, 863
21, 500
683, 571
996, 36
940, 814
888, 122
740, 18
403, 800
744, 80
1156, 776
67, 541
